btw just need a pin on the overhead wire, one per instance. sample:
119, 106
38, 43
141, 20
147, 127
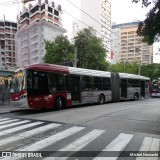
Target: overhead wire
84, 24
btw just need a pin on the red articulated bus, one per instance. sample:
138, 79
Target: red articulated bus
56, 86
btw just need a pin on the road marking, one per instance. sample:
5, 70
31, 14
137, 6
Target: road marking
149, 144
4, 122
13, 124
79, 143
52, 139
19, 128
118, 144
3, 119
28, 133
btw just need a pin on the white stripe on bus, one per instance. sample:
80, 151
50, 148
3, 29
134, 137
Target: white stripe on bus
27, 133
13, 124
80, 143
149, 144
118, 144
4, 119
51, 140
4, 122
19, 128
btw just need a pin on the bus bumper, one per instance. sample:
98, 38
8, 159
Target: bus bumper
22, 103
155, 95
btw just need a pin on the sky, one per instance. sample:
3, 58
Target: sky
122, 11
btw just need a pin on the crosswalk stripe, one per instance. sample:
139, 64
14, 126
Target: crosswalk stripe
3, 119
28, 133
19, 128
149, 144
13, 124
52, 139
80, 143
118, 144
4, 122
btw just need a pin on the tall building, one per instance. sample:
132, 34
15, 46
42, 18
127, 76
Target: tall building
36, 24
7, 44
96, 14
131, 49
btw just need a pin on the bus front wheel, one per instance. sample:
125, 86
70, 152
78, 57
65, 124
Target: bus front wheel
101, 99
58, 103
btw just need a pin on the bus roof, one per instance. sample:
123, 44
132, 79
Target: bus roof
133, 76
80, 71
88, 72
66, 69
48, 67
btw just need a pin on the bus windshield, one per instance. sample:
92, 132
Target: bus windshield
17, 82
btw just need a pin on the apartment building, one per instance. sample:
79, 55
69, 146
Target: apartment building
131, 49
7, 44
96, 14
37, 23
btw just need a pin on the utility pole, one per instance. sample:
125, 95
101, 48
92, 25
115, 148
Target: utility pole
75, 57
139, 69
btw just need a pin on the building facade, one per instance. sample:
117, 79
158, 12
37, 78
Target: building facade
131, 48
7, 44
96, 14
35, 25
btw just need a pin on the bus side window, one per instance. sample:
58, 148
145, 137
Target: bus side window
87, 83
106, 84
55, 82
52, 82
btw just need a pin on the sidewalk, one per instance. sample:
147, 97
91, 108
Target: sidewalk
6, 108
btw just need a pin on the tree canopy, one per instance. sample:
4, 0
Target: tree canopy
59, 51
150, 28
91, 53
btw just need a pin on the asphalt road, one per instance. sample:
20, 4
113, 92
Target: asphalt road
121, 126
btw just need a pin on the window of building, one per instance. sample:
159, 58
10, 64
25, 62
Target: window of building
56, 12
50, 10
43, 7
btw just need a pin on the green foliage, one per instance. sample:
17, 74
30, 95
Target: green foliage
91, 53
150, 28
151, 70
125, 67
59, 51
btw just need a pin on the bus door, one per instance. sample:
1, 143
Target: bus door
75, 88
142, 88
124, 88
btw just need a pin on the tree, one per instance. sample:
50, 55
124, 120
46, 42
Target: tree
150, 28
90, 51
151, 70
125, 67
59, 51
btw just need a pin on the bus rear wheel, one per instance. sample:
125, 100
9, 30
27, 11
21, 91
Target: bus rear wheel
136, 96
59, 103
101, 99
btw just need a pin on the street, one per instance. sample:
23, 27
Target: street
121, 126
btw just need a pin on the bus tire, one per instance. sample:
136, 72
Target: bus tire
136, 97
58, 103
101, 99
